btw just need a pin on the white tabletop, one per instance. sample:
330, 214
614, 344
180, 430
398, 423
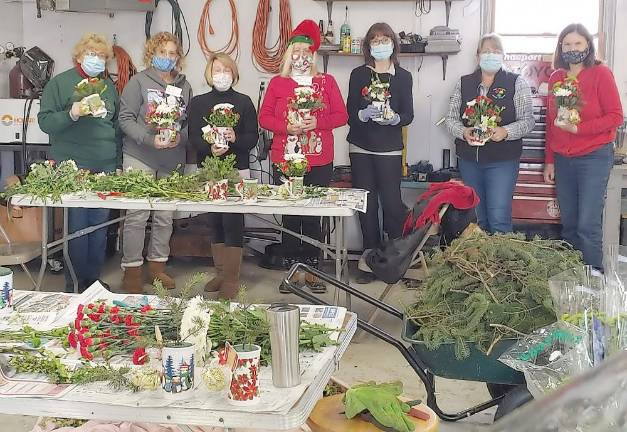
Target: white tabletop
263, 206
84, 409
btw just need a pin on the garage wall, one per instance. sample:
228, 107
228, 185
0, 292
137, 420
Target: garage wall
10, 31
56, 33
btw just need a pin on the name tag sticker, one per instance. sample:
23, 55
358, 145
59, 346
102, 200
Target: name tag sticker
174, 91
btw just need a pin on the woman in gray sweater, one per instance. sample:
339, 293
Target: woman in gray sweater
147, 149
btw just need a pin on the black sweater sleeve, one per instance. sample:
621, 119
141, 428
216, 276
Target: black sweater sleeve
195, 124
247, 131
406, 102
355, 99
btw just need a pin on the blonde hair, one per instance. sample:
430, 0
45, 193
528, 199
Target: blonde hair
227, 61
286, 64
92, 41
493, 37
158, 40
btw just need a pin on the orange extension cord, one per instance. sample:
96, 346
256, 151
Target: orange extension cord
126, 68
232, 46
269, 59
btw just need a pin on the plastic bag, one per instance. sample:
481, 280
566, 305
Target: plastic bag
549, 356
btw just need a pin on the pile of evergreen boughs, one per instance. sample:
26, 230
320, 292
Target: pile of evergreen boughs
484, 288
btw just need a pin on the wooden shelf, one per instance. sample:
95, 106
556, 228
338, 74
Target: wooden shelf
332, 53
447, 3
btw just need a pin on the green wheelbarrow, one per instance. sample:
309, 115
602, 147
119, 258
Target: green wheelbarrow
506, 386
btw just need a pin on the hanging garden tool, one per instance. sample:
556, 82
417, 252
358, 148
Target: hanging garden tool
232, 46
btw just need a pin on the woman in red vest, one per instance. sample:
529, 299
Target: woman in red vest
580, 152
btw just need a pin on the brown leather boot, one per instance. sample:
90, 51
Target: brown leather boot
157, 271
231, 267
133, 280
217, 250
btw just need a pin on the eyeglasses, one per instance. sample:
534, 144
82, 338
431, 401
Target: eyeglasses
381, 41
96, 54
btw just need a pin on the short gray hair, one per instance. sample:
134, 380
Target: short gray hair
494, 37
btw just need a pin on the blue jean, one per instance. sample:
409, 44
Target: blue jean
86, 252
581, 184
494, 182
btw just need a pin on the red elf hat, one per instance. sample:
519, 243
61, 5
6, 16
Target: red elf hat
308, 32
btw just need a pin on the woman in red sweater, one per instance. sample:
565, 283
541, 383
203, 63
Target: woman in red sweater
579, 156
313, 137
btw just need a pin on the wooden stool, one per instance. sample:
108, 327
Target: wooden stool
326, 417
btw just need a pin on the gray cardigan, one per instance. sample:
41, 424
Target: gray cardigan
139, 136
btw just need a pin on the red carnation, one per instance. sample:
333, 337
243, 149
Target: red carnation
101, 308
71, 338
79, 310
90, 306
139, 356
145, 308
114, 310
86, 354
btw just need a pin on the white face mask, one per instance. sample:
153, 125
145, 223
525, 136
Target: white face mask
222, 81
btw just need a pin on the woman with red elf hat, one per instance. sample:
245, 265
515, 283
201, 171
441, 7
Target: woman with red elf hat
312, 136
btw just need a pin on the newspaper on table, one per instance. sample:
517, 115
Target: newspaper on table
63, 311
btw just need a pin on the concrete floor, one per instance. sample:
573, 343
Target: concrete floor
367, 358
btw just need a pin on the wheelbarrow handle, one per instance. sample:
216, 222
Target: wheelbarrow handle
419, 367
343, 287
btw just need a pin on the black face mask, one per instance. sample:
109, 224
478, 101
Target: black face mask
575, 57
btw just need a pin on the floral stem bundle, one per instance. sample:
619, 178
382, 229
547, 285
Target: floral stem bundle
106, 331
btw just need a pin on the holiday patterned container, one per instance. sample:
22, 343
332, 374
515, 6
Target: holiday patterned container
244, 387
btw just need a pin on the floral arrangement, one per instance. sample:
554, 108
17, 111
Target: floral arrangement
165, 115
484, 116
377, 91
222, 115
89, 93
567, 97
294, 165
306, 98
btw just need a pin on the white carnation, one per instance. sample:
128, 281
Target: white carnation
193, 312
563, 92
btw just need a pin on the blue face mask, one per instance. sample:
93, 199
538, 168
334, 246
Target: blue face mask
163, 64
491, 62
93, 65
382, 52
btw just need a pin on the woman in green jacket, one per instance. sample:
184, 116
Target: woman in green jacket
92, 141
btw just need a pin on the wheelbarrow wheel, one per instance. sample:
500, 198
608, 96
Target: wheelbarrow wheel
498, 390
512, 400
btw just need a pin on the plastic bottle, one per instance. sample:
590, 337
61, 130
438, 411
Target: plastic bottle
345, 35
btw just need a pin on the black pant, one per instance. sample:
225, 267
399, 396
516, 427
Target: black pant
306, 225
381, 176
229, 228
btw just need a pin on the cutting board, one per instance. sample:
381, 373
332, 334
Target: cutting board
326, 417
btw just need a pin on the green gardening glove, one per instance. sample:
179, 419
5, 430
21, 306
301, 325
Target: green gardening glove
381, 400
